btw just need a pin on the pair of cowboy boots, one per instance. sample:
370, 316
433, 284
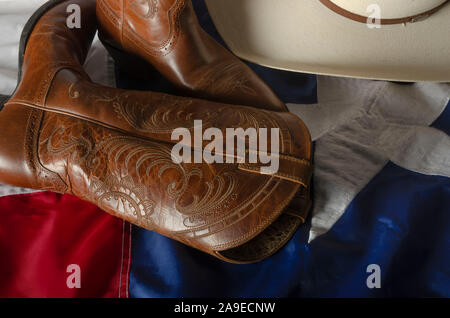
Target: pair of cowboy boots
61, 132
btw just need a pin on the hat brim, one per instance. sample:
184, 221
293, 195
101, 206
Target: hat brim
306, 36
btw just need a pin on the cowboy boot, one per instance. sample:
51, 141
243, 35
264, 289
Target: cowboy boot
195, 62
114, 148
167, 34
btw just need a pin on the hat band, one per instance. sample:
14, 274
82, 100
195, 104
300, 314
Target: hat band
359, 18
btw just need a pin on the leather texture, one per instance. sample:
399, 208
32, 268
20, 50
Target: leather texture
167, 34
113, 147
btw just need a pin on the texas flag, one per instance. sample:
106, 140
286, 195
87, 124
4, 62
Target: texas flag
379, 225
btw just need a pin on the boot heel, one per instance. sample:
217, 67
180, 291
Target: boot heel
129, 63
3, 100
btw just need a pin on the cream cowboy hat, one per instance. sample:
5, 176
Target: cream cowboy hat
400, 40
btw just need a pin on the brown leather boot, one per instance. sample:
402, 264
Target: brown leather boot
193, 61
112, 147
167, 34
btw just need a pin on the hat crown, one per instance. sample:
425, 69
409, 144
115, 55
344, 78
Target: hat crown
389, 9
